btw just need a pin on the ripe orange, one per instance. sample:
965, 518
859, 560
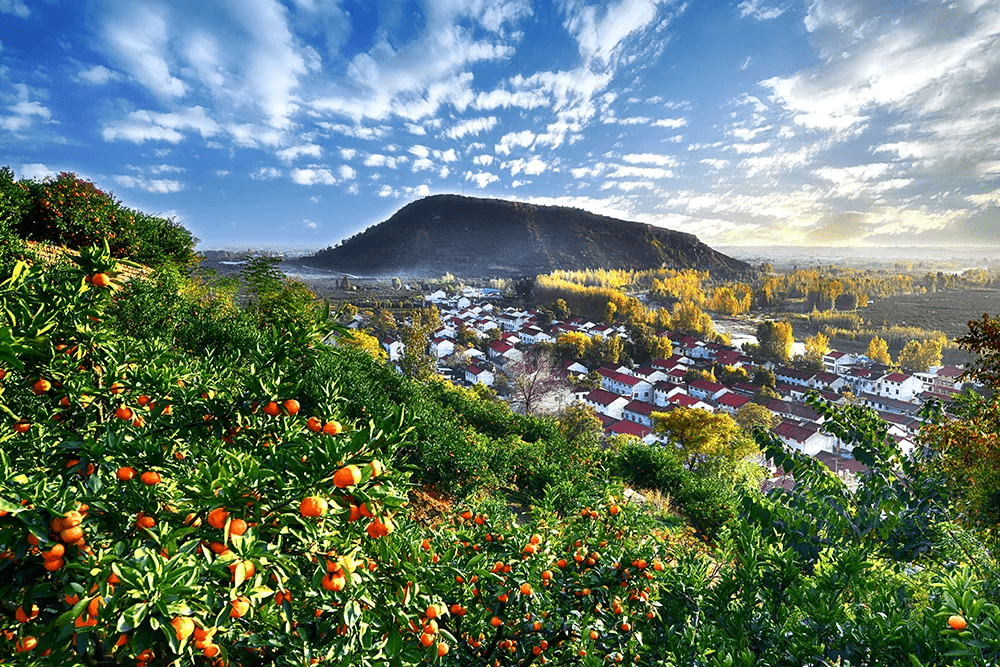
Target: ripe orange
23, 617
426, 640
54, 564
334, 582
291, 406
313, 506
217, 517
442, 649
240, 606
332, 428
496, 622
957, 622
434, 611
150, 478
145, 522
143, 401
249, 569
314, 424
377, 468
124, 413
100, 280
377, 528
25, 644
125, 473
526, 589
57, 551
211, 651
22, 426
69, 535
272, 409
41, 386
238, 527
347, 476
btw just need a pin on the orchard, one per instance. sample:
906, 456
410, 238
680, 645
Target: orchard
160, 506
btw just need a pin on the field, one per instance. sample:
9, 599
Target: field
949, 311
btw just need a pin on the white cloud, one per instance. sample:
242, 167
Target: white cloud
158, 169
347, 173
312, 175
136, 36
387, 191
481, 178
444, 172
356, 131
530, 167
715, 163
650, 158
446, 156
265, 174
986, 198
290, 154
348, 153
582, 172
522, 139
760, 10
221, 173
483, 160
622, 171
412, 80
751, 149
15, 7
309, 224
36, 171
601, 30
422, 164
141, 126
670, 123
155, 185
24, 115
419, 151
472, 126
416, 129
98, 75
379, 160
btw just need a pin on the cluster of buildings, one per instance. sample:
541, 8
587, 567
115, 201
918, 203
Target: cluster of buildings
629, 395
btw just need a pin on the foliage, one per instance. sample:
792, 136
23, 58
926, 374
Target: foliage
920, 356
878, 351
71, 211
775, 340
706, 439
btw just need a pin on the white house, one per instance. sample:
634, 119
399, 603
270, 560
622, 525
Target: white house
393, 348
663, 391
900, 386
639, 412
442, 347
805, 438
704, 390
627, 385
475, 374
606, 403
835, 361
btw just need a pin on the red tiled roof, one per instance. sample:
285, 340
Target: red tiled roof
626, 427
602, 397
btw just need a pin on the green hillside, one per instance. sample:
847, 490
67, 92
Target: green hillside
190, 476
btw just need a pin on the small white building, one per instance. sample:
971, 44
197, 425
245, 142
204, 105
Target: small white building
606, 403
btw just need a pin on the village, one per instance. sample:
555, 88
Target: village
626, 396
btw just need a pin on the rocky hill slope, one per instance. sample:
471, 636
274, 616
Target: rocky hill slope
471, 236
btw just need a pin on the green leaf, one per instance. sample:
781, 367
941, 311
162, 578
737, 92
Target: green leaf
74, 613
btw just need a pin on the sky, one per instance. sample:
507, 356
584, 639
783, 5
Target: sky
301, 122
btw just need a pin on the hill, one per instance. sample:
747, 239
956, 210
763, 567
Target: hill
471, 236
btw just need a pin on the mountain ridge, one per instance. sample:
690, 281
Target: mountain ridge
472, 236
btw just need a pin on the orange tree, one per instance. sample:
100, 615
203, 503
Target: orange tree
156, 506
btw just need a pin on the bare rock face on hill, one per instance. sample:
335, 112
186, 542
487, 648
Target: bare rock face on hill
470, 236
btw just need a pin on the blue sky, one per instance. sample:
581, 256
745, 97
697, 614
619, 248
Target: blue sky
301, 122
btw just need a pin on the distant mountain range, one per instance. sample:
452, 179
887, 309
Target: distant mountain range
476, 237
